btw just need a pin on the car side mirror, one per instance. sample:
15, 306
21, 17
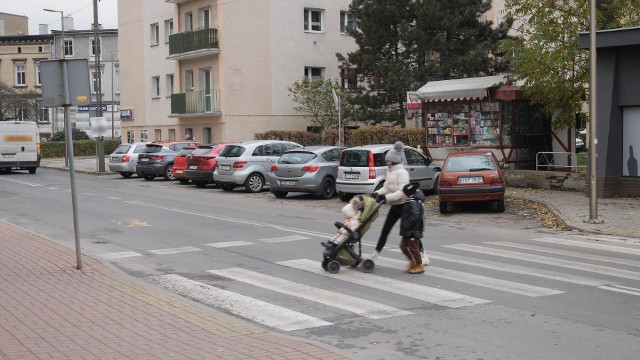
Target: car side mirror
505, 166
437, 168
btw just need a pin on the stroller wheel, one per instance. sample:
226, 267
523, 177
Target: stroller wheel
333, 267
368, 265
325, 261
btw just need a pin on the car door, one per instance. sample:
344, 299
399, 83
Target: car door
419, 168
272, 152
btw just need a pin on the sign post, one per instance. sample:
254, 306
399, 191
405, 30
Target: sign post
336, 99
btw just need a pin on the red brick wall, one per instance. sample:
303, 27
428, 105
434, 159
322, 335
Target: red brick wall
614, 186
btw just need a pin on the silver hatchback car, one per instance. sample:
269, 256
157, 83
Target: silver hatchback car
363, 170
310, 169
124, 158
247, 163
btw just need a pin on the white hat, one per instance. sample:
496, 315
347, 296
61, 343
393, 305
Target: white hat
349, 210
395, 154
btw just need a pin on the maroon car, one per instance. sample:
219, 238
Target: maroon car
201, 163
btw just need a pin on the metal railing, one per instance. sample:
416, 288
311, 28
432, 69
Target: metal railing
196, 102
558, 161
193, 40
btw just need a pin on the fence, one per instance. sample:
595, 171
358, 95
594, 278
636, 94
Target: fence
559, 161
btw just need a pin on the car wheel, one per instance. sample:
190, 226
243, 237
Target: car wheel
435, 186
168, 173
443, 207
183, 181
280, 194
254, 183
126, 175
345, 197
327, 188
500, 205
32, 170
148, 177
226, 187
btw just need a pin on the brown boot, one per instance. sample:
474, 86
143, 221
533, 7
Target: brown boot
412, 263
418, 269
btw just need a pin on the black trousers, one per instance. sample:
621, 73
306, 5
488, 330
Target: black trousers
392, 217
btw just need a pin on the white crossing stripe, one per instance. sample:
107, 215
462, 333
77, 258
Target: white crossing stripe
602, 270
478, 280
53, 188
113, 198
415, 291
621, 289
91, 194
175, 250
355, 305
591, 245
229, 244
516, 269
21, 182
566, 253
285, 238
119, 255
259, 311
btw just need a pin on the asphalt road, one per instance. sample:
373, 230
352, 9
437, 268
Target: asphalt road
501, 286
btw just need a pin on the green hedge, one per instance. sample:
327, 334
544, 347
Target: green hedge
353, 137
52, 149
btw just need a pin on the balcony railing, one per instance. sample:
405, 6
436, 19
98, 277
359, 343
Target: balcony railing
195, 103
193, 43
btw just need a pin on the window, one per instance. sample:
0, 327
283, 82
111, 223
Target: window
168, 29
188, 80
313, 73
313, 20
39, 49
170, 85
155, 86
349, 78
68, 48
157, 134
188, 21
43, 114
38, 83
155, 34
207, 135
117, 79
347, 21
189, 131
204, 18
20, 114
95, 82
19, 50
20, 75
95, 50
144, 136
172, 134
130, 136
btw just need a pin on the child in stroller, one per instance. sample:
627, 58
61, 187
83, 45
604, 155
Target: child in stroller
340, 249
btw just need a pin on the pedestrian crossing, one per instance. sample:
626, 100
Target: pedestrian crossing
310, 297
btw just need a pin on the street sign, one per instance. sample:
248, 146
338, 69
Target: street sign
53, 82
99, 127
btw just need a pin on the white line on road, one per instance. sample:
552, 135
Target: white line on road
621, 289
259, 311
119, 255
113, 198
90, 194
175, 250
414, 291
591, 245
229, 244
355, 305
53, 188
21, 182
285, 238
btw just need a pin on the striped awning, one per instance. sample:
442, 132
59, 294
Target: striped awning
460, 89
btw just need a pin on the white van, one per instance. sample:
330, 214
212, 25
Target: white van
19, 146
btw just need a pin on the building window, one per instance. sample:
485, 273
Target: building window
155, 86
189, 131
347, 21
157, 134
19, 50
313, 20
188, 21
204, 18
39, 49
130, 136
172, 134
68, 48
95, 84
144, 136
20, 114
95, 50
170, 85
155, 34
313, 73
117, 80
38, 83
20, 75
188, 80
207, 136
43, 115
168, 29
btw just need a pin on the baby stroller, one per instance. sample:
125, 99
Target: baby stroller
345, 253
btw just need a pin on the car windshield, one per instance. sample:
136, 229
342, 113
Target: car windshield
150, 149
122, 149
296, 157
232, 151
469, 163
203, 150
355, 158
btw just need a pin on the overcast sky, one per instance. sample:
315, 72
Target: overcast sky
80, 10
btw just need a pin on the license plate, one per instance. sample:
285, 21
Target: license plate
179, 171
352, 176
10, 156
288, 183
225, 167
114, 159
470, 180
193, 167
144, 159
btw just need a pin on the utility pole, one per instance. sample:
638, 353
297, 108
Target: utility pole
97, 53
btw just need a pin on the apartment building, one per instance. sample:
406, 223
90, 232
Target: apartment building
220, 70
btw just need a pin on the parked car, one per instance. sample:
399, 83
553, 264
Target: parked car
471, 176
311, 169
180, 164
156, 159
362, 169
124, 158
247, 163
579, 145
201, 163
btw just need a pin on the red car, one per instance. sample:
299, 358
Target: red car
180, 164
201, 163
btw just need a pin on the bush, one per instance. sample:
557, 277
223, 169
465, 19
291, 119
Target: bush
75, 135
352, 137
80, 148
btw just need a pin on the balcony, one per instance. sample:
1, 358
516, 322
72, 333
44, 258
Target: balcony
193, 43
177, 1
196, 103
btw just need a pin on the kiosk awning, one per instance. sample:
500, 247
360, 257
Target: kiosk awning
460, 89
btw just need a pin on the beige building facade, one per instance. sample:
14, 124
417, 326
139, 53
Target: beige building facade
220, 70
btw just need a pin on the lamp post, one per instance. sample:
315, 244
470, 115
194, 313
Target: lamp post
97, 54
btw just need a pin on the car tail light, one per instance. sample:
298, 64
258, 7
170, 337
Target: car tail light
372, 169
157, 157
310, 168
443, 184
497, 182
125, 158
38, 149
239, 164
273, 168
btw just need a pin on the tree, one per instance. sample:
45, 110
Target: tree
402, 44
315, 97
547, 54
21, 105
